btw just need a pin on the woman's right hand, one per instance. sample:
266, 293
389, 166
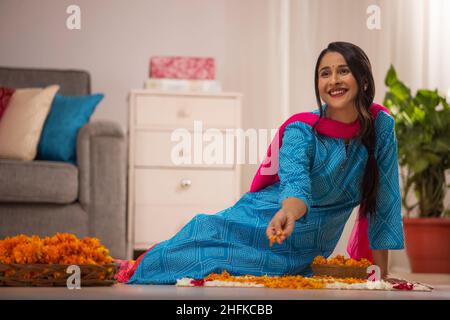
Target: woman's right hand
281, 225
283, 222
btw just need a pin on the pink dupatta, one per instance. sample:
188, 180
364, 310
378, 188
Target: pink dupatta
267, 174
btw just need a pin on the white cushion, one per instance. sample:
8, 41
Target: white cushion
23, 120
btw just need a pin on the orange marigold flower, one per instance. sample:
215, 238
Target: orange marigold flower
319, 260
62, 248
340, 260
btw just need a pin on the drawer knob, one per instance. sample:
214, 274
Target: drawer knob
185, 183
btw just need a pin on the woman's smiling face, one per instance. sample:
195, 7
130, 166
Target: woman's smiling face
337, 86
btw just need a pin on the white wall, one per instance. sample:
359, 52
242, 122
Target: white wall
115, 42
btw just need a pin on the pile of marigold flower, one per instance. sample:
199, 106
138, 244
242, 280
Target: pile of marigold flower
62, 248
340, 260
285, 282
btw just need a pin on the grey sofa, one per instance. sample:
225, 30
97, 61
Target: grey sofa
46, 197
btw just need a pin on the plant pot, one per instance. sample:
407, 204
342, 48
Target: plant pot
428, 244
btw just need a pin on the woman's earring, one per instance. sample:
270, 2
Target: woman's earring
365, 87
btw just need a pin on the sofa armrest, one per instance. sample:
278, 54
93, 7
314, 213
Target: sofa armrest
102, 163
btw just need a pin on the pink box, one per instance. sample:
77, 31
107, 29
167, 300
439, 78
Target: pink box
192, 68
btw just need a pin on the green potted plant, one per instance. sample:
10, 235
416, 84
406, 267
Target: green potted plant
422, 127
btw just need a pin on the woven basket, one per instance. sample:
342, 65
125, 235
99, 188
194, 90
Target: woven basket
48, 275
339, 271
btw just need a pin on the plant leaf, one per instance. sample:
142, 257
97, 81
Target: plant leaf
432, 158
427, 98
400, 91
419, 165
391, 76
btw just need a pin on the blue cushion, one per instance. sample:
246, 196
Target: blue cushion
67, 115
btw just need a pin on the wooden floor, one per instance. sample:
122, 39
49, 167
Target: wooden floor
440, 282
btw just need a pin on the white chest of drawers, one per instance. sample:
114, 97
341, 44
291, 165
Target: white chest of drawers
164, 195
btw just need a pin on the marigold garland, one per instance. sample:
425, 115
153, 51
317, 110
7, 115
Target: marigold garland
284, 282
62, 248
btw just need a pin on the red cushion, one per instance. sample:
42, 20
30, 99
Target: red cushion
5, 95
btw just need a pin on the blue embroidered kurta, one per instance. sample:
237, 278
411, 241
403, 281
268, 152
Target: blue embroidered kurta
312, 167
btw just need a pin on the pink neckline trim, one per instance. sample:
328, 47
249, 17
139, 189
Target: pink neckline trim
333, 128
